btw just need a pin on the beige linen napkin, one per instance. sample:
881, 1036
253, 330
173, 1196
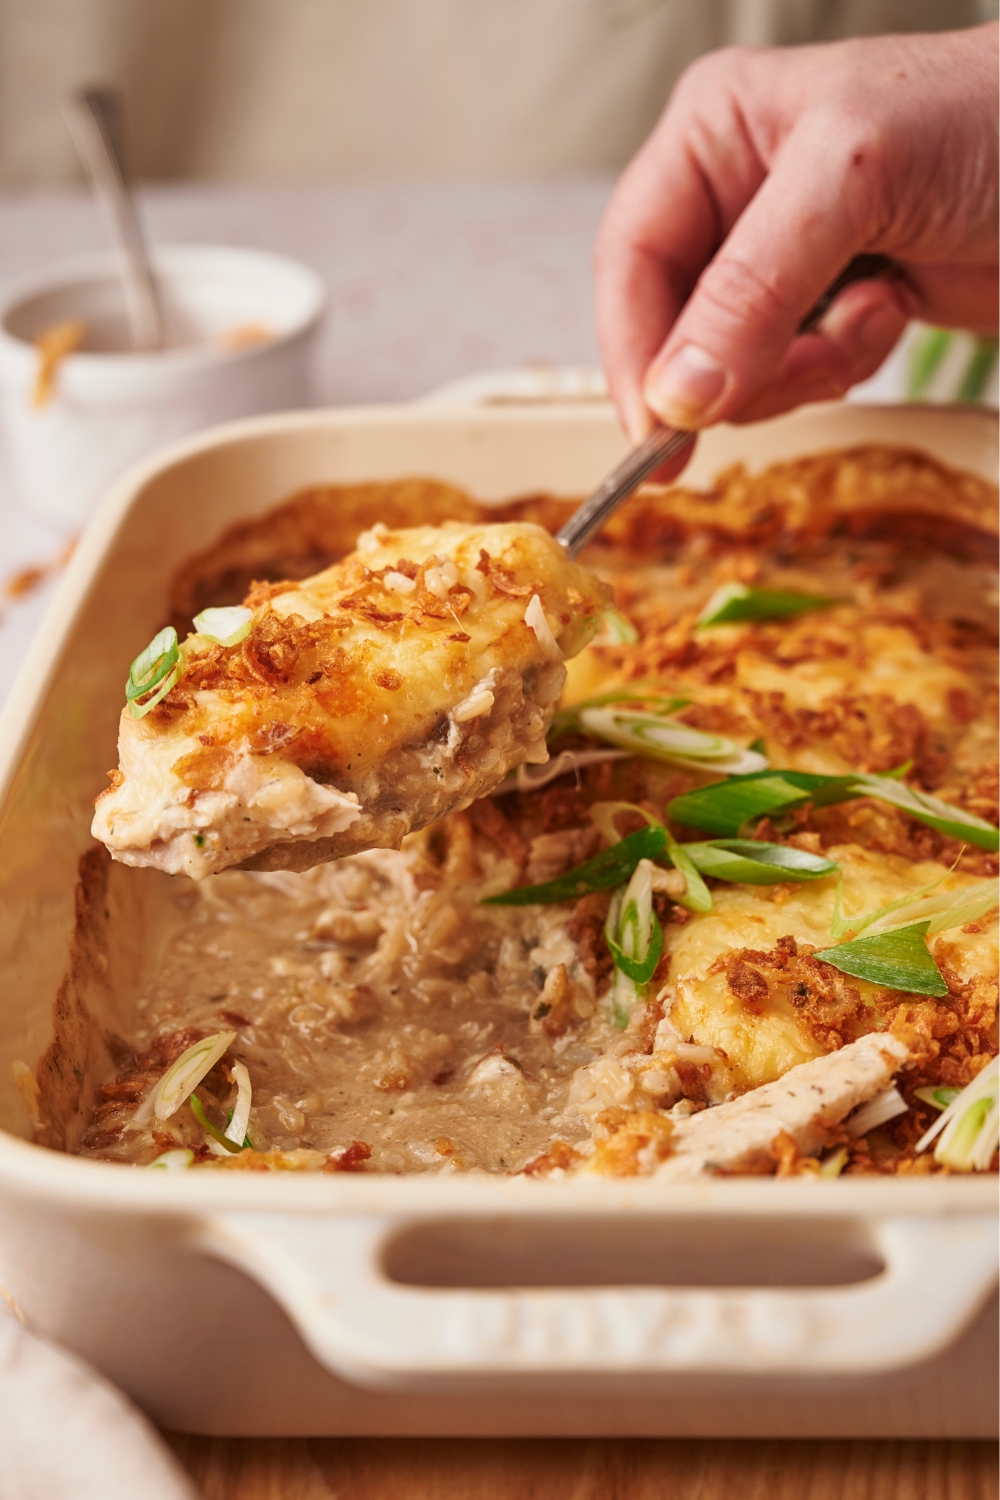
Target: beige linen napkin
66, 1433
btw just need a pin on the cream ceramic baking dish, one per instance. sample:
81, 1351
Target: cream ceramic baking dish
232, 1303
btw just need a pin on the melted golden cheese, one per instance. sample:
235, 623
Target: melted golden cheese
366, 701
762, 1046
877, 659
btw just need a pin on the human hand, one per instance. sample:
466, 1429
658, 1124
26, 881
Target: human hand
767, 172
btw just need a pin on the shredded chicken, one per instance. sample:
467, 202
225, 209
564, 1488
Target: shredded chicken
739, 1136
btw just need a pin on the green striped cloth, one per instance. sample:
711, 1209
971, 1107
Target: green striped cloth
927, 356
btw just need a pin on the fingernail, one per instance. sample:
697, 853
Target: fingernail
684, 391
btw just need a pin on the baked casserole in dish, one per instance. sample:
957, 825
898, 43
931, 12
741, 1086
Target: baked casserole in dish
692, 879
562, 973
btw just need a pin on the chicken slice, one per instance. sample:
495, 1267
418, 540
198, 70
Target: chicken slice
738, 1136
365, 702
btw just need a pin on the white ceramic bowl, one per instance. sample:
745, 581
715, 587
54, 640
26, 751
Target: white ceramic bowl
111, 406
340, 1304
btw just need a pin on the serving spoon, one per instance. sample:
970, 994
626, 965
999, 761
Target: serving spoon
94, 116
664, 442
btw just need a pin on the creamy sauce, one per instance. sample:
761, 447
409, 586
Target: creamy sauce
370, 1009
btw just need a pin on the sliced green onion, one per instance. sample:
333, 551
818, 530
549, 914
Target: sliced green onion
609, 868
155, 667
938, 1098
229, 1120
226, 625
648, 696
725, 806
635, 940
944, 911
697, 897
878, 1111
239, 1117
182, 1077
623, 990
152, 664
734, 603
172, 1161
639, 971
899, 959
969, 1127
942, 816
616, 630
657, 737
841, 926
956, 908
604, 816
834, 1164
750, 862
140, 710
199, 1113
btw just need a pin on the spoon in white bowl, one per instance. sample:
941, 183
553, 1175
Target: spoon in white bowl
94, 116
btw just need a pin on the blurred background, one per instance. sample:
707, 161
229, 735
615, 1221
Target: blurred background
441, 164
473, 89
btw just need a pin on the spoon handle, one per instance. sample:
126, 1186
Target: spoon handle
662, 443
94, 117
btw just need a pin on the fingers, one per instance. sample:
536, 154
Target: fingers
728, 347
636, 306
665, 219
769, 170
857, 334
956, 297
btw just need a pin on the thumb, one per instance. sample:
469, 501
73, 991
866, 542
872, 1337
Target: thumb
811, 214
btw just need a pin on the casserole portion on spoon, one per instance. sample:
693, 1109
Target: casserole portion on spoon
343, 711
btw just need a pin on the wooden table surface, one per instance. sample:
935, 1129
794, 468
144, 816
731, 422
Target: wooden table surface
601, 1469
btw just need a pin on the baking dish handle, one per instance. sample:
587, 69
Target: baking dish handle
326, 1272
